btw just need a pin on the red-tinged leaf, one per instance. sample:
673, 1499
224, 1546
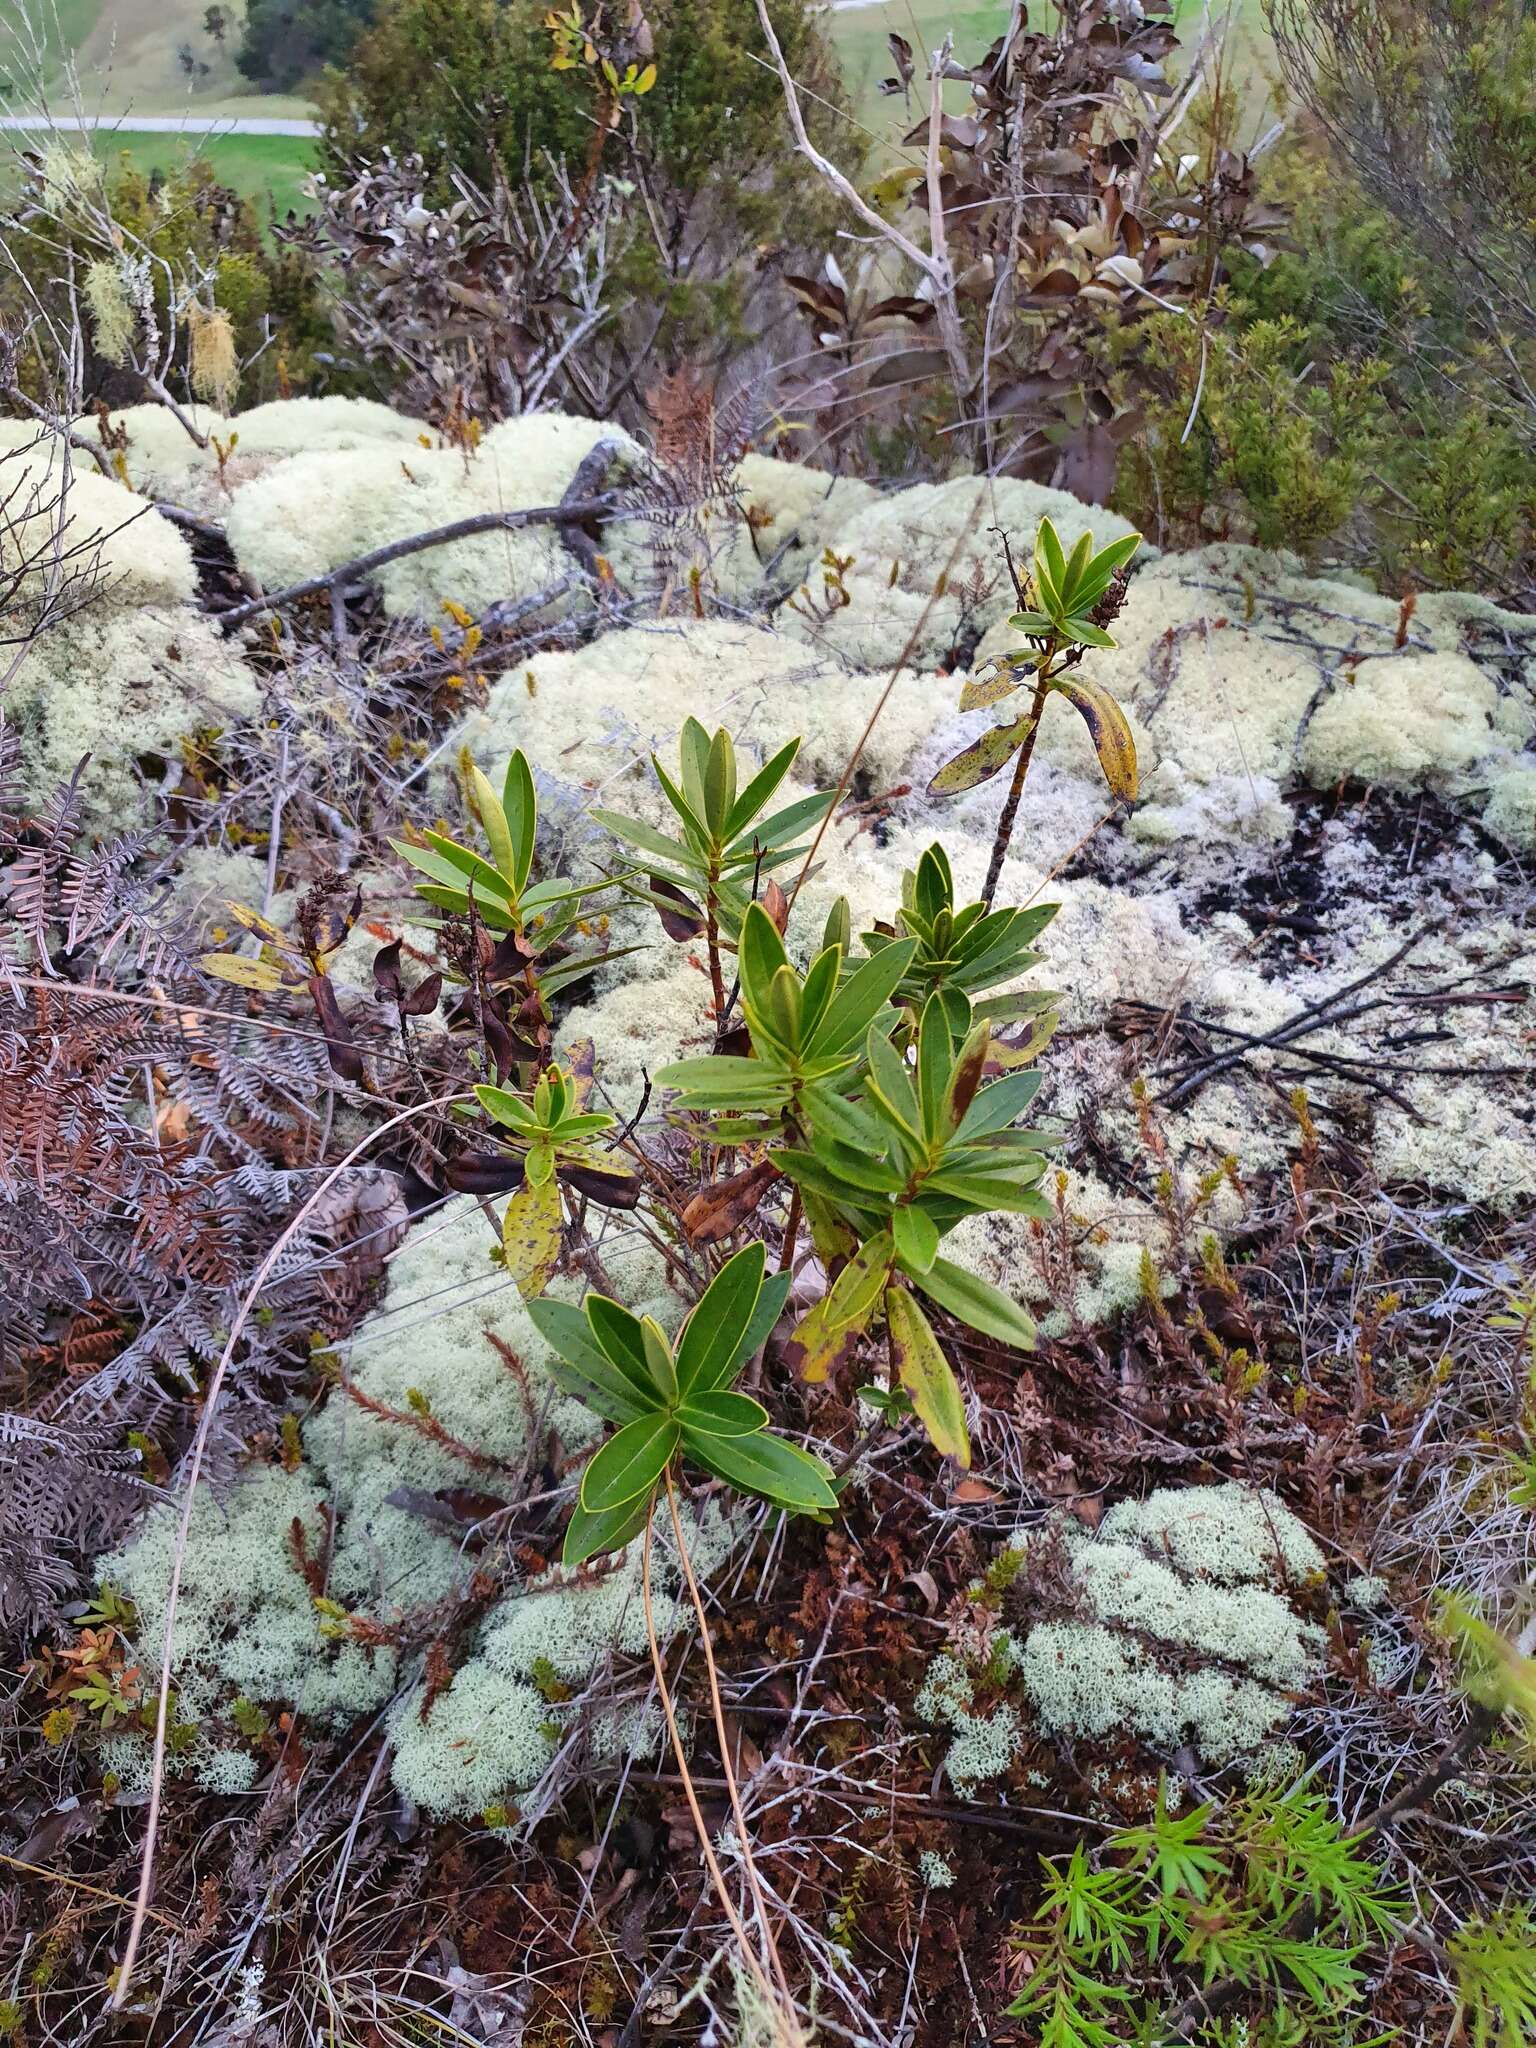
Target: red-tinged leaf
424, 998
611, 1187
686, 920
484, 1173
972, 1493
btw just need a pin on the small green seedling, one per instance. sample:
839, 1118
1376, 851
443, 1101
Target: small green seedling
554, 1134
962, 952
925, 1147
1064, 605
702, 879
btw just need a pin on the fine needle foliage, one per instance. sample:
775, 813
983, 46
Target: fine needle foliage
677, 1402
1267, 1894
1065, 607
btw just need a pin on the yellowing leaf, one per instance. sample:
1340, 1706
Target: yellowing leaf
530, 1236
981, 759
844, 1310
1111, 733
988, 689
254, 921
927, 1375
494, 820
1029, 1048
243, 971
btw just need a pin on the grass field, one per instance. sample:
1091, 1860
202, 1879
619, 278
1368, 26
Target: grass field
126, 53
261, 168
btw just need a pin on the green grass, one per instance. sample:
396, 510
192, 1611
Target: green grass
260, 168
859, 36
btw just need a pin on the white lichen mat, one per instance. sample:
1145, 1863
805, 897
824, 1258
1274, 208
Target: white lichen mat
1236, 896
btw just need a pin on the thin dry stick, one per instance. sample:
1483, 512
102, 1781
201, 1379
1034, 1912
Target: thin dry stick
414, 544
141, 1909
940, 582
717, 1708
789, 2023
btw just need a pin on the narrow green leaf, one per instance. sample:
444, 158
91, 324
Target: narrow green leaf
692, 820
521, 805
1072, 575
619, 1337
719, 784
891, 1080
721, 1413
761, 953
635, 832
1050, 564
750, 1340
723, 1311
583, 1369
934, 1054
725, 1077
916, 1237
783, 827
628, 1466
860, 1000
820, 987
849, 1123
761, 788
693, 761
1087, 634
977, 1303
590, 1535
659, 1362
769, 1467
493, 820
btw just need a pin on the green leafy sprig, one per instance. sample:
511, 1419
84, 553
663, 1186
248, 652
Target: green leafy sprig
677, 1402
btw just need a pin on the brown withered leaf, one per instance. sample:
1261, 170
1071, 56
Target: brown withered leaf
340, 1046
725, 1205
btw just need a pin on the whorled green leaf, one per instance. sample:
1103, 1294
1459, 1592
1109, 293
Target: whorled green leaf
722, 1413
766, 1465
630, 1464
921, 1367
588, 1535
916, 1237
975, 1302
723, 1311
493, 822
